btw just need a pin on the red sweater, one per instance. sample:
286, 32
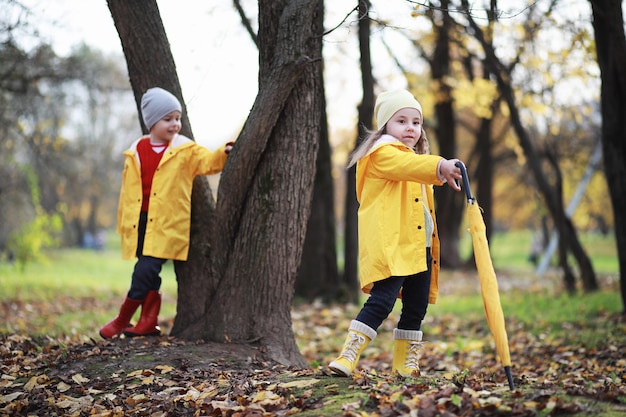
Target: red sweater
149, 159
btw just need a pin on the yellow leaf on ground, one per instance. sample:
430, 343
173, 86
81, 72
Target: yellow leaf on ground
79, 379
164, 368
300, 384
62, 386
10, 397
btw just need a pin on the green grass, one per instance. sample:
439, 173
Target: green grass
510, 250
537, 311
90, 285
74, 292
76, 272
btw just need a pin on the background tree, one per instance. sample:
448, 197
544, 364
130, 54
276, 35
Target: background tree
364, 124
608, 24
449, 203
58, 135
564, 225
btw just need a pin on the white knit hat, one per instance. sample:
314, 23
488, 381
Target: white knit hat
389, 102
156, 103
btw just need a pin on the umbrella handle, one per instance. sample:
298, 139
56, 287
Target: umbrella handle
466, 185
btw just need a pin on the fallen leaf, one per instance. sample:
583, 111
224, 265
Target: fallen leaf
299, 384
79, 379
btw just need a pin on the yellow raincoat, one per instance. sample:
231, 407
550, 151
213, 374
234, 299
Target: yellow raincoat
392, 238
169, 213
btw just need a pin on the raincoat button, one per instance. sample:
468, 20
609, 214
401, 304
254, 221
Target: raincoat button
417, 200
419, 227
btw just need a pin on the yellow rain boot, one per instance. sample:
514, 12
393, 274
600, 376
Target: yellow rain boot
406, 345
359, 336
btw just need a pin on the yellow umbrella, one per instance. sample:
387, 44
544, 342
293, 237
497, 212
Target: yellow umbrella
487, 278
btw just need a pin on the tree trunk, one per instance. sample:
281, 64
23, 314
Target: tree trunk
150, 63
364, 123
484, 174
449, 203
265, 190
608, 27
318, 276
560, 222
147, 51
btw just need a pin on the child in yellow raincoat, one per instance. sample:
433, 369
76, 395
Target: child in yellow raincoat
154, 213
398, 243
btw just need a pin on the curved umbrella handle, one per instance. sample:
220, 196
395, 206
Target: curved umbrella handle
466, 185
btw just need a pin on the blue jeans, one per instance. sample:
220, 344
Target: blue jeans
147, 269
415, 291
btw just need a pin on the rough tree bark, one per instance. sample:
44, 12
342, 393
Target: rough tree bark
608, 25
265, 191
318, 276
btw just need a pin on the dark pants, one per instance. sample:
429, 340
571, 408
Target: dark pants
415, 291
147, 269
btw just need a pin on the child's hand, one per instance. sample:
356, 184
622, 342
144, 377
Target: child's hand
229, 147
451, 173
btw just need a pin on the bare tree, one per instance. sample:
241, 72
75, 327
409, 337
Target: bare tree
608, 24
563, 223
364, 124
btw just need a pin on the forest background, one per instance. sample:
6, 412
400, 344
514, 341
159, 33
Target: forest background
557, 82
66, 163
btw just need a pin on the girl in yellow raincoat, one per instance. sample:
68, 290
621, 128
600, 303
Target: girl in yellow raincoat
154, 212
398, 243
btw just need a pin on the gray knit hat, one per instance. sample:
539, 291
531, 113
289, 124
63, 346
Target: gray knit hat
157, 103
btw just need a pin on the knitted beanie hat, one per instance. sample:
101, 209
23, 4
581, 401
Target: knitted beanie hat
156, 103
390, 102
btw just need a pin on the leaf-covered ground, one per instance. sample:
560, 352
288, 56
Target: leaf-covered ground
163, 376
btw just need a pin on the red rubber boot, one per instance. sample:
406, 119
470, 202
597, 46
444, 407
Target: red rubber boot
148, 324
122, 320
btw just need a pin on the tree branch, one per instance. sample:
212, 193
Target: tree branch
246, 22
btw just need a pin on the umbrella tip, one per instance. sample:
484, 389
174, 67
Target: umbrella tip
509, 377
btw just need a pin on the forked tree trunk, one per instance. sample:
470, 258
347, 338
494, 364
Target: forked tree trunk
265, 191
238, 283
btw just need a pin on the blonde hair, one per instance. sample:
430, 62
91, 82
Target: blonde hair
421, 147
